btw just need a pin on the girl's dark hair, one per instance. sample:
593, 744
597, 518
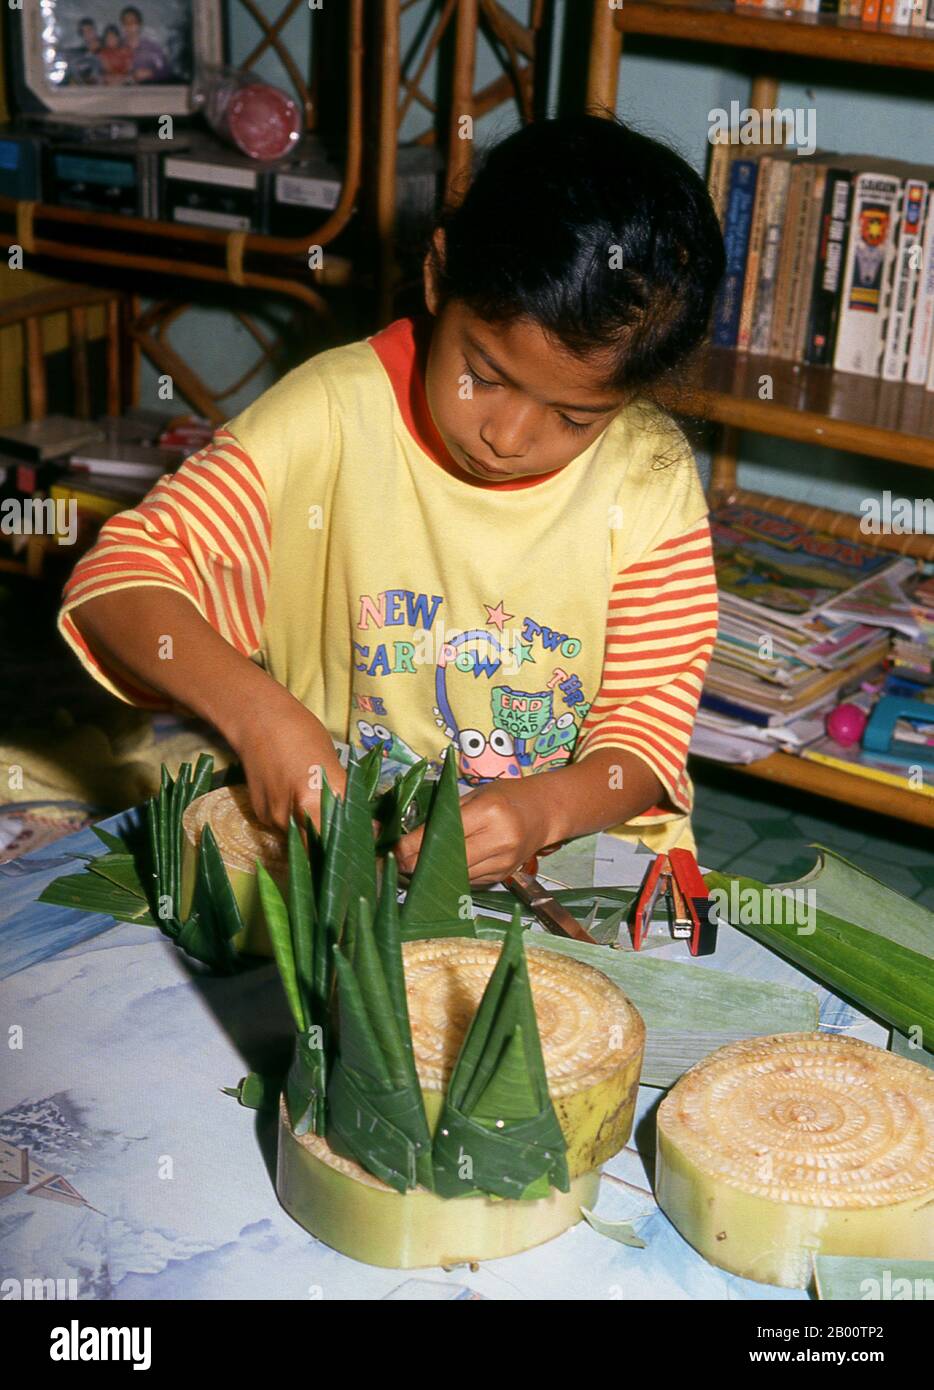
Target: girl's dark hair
604, 237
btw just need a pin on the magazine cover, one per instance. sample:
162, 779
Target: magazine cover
775, 562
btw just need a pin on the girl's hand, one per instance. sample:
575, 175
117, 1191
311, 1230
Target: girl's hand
504, 825
286, 753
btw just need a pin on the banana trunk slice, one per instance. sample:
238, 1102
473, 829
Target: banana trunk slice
353, 1212
592, 1043
241, 840
777, 1149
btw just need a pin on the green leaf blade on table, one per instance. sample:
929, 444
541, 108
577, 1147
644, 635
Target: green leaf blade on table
881, 977
89, 893
688, 1011
119, 869
845, 891
440, 885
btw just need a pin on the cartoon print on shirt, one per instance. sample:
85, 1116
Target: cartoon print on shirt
525, 735
529, 729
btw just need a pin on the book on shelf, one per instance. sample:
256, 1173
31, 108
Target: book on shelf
736, 238
821, 329
870, 248
906, 272
830, 260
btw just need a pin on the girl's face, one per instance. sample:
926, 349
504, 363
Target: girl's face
507, 401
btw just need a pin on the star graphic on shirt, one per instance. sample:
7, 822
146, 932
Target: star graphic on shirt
497, 616
521, 652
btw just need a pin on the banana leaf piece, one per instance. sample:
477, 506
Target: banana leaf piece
620, 1231
305, 1083
112, 842
688, 1012
91, 893
371, 764
359, 842
119, 869
498, 1132
280, 935
880, 976
256, 1092
845, 890
390, 809
335, 892
375, 1107
302, 914
215, 918
854, 1278
439, 892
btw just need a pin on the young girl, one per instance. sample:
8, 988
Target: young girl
471, 530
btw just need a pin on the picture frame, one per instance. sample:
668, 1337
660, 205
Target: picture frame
109, 58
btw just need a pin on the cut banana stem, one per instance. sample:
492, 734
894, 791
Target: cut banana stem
355, 1213
777, 1149
592, 1042
241, 840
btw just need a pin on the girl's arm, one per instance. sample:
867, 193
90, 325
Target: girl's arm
168, 607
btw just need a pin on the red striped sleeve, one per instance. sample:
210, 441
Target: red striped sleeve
661, 626
202, 531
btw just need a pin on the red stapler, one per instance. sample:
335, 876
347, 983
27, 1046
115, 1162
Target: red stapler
692, 916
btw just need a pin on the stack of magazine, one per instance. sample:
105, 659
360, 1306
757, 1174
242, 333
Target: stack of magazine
792, 639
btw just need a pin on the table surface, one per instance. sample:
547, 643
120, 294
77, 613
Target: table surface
166, 1186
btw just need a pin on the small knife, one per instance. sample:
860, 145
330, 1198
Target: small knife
554, 917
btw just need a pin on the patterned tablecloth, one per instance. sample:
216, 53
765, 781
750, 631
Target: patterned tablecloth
148, 1182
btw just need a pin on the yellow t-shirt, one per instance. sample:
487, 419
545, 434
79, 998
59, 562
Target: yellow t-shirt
327, 533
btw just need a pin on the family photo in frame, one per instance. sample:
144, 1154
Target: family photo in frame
102, 57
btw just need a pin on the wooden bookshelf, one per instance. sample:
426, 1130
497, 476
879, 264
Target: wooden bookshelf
814, 405
810, 405
864, 792
807, 35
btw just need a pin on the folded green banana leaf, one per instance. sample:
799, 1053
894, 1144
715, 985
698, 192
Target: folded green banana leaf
498, 1132
439, 893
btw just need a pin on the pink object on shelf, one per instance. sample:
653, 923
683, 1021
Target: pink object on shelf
263, 121
845, 725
